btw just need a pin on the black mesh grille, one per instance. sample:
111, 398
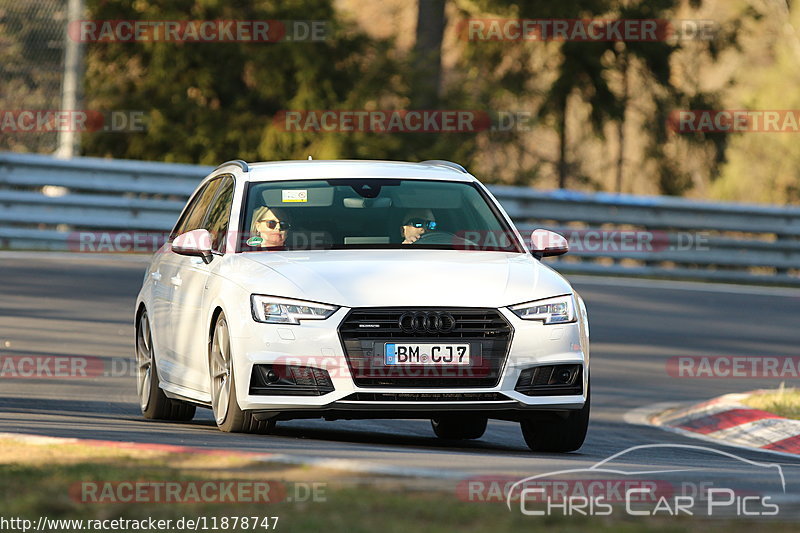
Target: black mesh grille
541, 376
364, 333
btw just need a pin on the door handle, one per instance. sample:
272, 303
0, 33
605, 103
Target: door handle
176, 280
156, 275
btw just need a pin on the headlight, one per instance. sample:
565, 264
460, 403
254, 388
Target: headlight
558, 310
275, 310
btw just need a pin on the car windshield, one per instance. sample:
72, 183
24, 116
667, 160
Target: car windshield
359, 213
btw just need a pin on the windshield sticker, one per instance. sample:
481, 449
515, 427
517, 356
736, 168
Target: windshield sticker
294, 195
254, 241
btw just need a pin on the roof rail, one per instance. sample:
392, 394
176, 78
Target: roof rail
242, 164
443, 163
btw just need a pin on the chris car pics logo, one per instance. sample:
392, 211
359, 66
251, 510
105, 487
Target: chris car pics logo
620, 484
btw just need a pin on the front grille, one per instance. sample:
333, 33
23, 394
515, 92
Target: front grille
426, 397
365, 331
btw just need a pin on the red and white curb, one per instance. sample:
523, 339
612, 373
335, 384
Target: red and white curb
725, 420
348, 465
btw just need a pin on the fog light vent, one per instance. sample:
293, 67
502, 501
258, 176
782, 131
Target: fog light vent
283, 380
550, 380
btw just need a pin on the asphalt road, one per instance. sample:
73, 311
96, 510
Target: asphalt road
53, 305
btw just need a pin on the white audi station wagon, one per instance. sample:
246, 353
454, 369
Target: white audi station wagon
361, 290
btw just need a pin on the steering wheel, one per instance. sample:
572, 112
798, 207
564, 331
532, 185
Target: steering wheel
443, 237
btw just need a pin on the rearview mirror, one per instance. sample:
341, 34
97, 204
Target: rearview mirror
360, 203
196, 243
546, 243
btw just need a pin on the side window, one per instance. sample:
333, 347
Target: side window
196, 213
219, 214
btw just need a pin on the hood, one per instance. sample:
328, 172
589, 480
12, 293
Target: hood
370, 278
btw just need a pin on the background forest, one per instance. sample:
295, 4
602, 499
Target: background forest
591, 115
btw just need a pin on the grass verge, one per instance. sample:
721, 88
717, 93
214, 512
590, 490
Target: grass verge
783, 401
47, 480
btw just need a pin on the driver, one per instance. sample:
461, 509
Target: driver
269, 227
416, 223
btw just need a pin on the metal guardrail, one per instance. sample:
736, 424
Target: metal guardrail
44, 201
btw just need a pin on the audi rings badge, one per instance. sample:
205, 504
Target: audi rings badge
430, 322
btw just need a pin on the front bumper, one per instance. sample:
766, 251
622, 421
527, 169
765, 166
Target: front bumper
316, 344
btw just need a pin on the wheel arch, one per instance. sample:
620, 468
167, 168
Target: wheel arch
141, 308
213, 322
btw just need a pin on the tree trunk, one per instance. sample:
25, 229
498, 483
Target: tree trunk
427, 55
562, 142
621, 124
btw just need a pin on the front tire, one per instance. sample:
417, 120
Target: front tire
457, 427
551, 432
152, 401
229, 417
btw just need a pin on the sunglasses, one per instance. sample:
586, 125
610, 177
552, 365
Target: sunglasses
272, 224
421, 223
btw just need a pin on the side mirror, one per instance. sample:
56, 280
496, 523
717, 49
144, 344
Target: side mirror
196, 243
546, 243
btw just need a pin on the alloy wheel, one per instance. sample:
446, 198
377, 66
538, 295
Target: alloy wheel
220, 371
144, 361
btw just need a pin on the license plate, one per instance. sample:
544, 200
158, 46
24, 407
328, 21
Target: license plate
397, 354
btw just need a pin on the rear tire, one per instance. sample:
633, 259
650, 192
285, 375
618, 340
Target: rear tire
229, 417
152, 401
550, 432
458, 427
